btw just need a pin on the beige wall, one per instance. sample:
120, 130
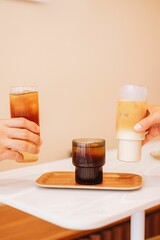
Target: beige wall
78, 52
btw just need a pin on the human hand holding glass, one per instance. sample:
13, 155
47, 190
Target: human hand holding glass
18, 134
151, 125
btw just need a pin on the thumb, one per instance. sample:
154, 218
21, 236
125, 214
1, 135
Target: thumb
144, 124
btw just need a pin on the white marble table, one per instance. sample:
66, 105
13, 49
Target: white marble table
85, 209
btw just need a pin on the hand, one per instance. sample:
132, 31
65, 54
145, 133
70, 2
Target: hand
150, 124
18, 134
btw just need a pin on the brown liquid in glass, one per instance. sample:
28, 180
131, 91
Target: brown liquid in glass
25, 105
88, 162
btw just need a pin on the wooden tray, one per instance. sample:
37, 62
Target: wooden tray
112, 181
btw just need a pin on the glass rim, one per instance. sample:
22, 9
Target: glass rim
133, 92
88, 142
22, 89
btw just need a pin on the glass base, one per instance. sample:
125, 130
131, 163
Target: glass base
88, 176
28, 157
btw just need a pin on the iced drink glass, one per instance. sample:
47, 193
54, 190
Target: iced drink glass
131, 108
88, 157
24, 103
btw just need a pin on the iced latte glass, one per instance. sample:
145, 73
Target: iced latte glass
131, 108
24, 103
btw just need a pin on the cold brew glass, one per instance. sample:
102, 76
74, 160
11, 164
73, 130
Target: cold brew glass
88, 157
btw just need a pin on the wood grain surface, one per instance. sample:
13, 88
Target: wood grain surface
112, 181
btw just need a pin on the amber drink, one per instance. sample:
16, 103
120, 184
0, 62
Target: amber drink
131, 108
24, 103
88, 157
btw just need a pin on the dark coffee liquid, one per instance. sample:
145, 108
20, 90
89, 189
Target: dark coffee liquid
89, 176
88, 161
88, 157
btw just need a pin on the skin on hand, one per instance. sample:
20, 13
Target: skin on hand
18, 134
150, 124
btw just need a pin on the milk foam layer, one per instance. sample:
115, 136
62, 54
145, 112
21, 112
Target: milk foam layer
130, 135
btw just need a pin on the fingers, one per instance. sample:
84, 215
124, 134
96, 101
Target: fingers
151, 133
23, 134
153, 117
144, 124
21, 145
10, 154
150, 124
18, 134
21, 123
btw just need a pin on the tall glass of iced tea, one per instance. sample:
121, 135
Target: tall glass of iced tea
24, 103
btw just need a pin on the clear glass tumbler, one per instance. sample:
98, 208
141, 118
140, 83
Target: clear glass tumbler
24, 103
131, 108
88, 157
